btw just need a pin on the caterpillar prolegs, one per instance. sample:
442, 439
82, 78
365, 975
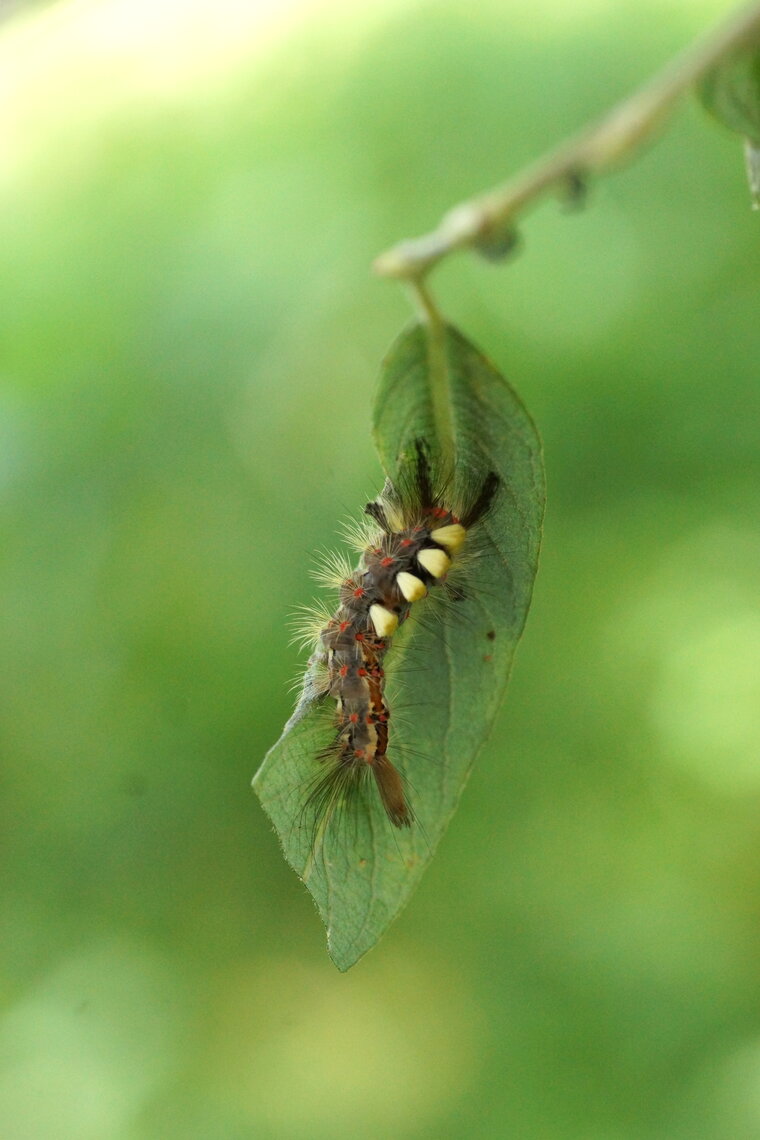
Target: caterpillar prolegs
414, 535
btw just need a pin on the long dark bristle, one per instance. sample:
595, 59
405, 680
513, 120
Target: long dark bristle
391, 788
331, 793
377, 511
423, 474
480, 506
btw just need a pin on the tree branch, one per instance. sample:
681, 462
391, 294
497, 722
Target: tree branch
599, 146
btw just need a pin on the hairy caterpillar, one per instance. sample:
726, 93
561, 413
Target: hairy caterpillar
413, 535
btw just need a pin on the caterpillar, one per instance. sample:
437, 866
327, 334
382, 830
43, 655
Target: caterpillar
412, 536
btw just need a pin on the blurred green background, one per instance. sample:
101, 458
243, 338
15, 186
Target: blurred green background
190, 198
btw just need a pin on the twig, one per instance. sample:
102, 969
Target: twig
594, 149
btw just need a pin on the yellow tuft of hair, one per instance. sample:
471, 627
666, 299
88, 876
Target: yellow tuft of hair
411, 587
384, 621
395, 516
436, 562
451, 536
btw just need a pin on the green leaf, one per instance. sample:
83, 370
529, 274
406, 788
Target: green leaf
731, 92
445, 675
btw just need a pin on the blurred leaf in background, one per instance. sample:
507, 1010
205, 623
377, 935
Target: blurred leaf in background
189, 337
